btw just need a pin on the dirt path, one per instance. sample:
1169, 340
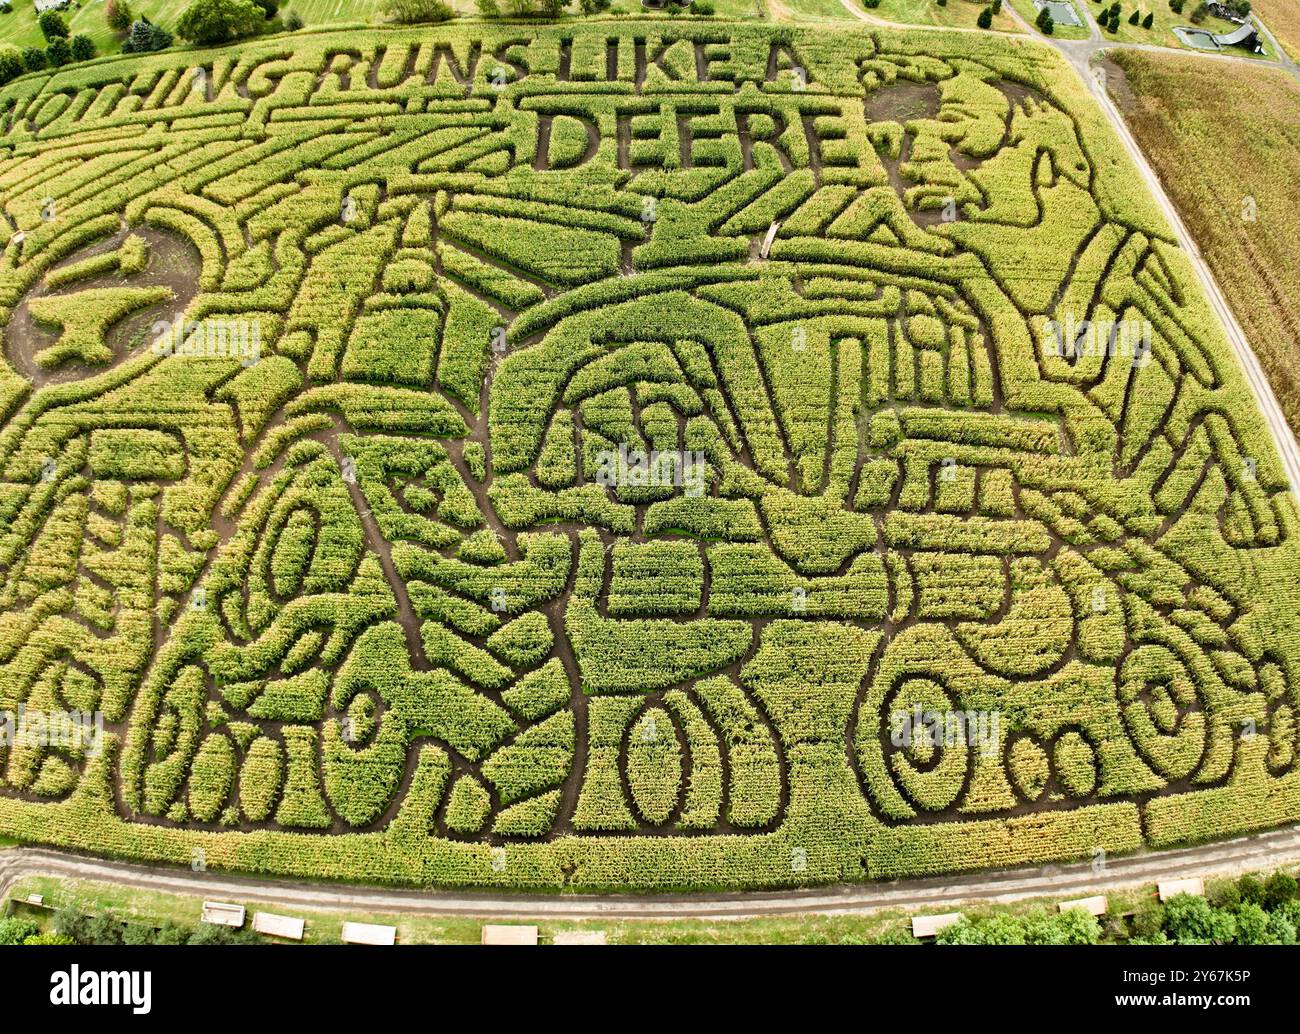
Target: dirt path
1262, 852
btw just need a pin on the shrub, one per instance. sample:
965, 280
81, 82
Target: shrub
985, 20
703, 8
219, 21
1176, 6
11, 62
145, 37
118, 16
410, 12
270, 7
999, 928
16, 929
104, 928
292, 21
34, 59
1149, 920
1251, 888
1278, 890
53, 25
58, 53
82, 47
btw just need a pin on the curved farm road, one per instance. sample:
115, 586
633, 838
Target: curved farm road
1261, 852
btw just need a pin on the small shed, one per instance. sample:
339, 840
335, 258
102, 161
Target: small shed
368, 933
288, 927
1095, 906
509, 934
580, 937
1171, 888
223, 914
928, 926
1244, 35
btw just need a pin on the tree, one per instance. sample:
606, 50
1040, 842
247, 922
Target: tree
52, 26
995, 929
58, 53
219, 21
997, 7
1135, 17
270, 7
1252, 889
83, 47
292, 21
1044, 22
1176, 6
146, 36
117, 13
410, 12
1278, 889
1073, 926
985, 20
11, 62
1252, 925
33, 59
49, 938
1193, 920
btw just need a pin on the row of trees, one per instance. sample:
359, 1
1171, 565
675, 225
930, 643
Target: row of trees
1249, 911
61, 48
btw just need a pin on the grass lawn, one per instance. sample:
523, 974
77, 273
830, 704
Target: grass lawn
1161, 32
1188, 116
19, 26
1030, 13
956, 13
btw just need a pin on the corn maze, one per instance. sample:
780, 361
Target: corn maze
583, 457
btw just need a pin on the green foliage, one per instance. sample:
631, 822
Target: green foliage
53, 26
206, 22
411, 12
11, 62
144, 36
560, 509
118, 15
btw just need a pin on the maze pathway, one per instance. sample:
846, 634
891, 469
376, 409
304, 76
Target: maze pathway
654, 456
